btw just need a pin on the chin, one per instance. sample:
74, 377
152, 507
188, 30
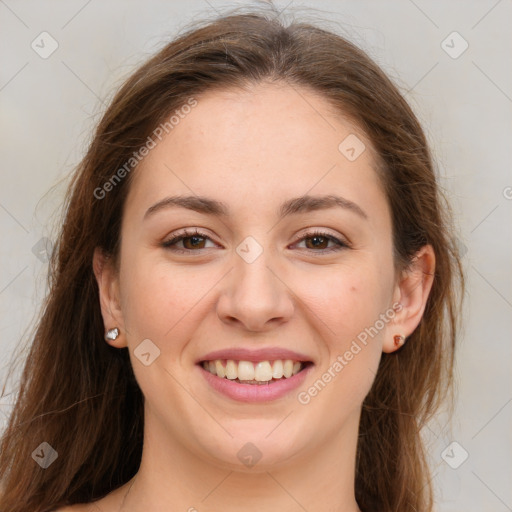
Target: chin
252, 451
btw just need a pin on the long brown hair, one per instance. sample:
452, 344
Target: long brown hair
79, 394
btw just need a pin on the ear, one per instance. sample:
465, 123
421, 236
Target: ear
108, 285
411, 292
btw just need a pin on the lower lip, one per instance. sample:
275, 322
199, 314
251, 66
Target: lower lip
255, 392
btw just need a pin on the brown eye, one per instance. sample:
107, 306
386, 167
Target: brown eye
193, 241
190, 240
317, 241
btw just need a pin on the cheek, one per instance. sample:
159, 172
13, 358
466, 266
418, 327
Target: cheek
347, 304
345, 307
346, 298
157, 298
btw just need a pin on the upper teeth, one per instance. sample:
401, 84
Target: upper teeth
247, 370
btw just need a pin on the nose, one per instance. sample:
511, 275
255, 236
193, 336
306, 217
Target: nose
255, 298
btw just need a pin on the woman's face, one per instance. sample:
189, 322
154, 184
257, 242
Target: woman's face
256, 280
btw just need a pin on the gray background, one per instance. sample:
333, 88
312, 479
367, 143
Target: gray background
50, 105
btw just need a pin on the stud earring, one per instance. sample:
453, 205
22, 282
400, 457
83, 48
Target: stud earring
112, 334
399, 340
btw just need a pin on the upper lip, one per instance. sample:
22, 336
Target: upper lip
262, 354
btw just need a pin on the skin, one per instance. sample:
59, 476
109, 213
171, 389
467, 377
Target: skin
264, 146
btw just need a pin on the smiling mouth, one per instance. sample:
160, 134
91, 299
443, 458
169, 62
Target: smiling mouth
254, 372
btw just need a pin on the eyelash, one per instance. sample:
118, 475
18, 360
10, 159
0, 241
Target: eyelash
311, 234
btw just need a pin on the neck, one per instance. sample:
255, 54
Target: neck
319, 479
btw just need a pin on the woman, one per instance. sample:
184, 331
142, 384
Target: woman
254, 297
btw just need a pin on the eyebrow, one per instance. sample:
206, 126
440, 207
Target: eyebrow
303, 204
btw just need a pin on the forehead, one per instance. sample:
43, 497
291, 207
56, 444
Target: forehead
278, 120
259, 144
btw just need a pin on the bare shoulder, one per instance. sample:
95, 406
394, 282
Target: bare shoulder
79, 507
110, 503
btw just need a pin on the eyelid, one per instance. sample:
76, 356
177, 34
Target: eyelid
184, 233
340, 241
317, 231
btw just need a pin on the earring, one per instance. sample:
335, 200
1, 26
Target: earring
112, 334
399, 340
